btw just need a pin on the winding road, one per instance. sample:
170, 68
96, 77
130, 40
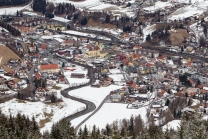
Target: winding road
89, 106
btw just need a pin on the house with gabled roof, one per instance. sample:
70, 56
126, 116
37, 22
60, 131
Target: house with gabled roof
50, 68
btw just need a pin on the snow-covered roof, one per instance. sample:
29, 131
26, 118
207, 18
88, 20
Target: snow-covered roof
61, 19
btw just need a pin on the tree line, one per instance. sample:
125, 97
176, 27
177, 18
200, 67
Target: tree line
10, 28
13, 2
49, 9
22, 127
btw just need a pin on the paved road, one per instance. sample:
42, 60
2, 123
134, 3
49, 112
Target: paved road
115, 40
90, 106
30, 78
186, 55
88, 117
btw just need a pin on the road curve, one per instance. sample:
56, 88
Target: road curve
88, 117
90, 106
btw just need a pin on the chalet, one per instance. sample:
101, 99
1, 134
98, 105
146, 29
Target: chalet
62, 80
50, 68
40, 92
68, 42
22, 73
62, 52
50, 82
11, 84
21, 84
77, 75
3, 87
2, 79
11, 73
115, 97
69, 69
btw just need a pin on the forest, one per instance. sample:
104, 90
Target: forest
49, 9
21, 127
13, 2
10, 28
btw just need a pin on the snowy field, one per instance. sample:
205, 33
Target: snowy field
96, 5
185, 12
82, 4
13, 10
158, 5
196, 9
86, 34
95, 95
172, 124
113, 112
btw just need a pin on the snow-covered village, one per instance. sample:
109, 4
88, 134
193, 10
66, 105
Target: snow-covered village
103, 69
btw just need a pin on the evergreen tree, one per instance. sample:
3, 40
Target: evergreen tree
107, 19
167, 102
53, 99
189, 102
85, 132
197, 128
182, 131
108, 131
17, 14
80, 132
116, 134
93, 133
148, 38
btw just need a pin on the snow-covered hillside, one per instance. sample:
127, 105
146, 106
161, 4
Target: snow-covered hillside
45, 114
82, 4
97, 5
13, 10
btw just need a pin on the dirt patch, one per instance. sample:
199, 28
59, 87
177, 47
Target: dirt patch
48, 114
176, 38
92, 23
43, 122
56, 87
162, 26
145, 44
20, 101
6, 54
47, 119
